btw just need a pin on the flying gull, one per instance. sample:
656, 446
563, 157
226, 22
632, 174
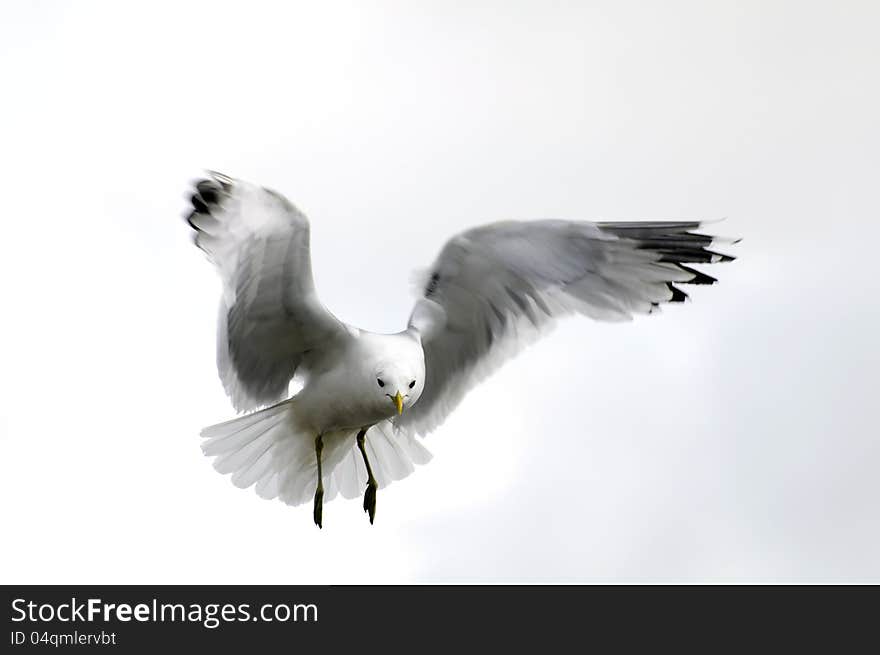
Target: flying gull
367, 398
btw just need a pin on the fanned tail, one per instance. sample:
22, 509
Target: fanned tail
269, 450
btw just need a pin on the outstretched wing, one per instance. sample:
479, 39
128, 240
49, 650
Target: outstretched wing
495, 288
270, 316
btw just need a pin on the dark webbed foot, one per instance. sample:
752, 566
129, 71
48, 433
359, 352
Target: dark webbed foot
318, 512
372, 485
319, 505
370, 499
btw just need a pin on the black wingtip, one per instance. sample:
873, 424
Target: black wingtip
199, 204
209, 191
205, 198
718, 257
677, 294
699, 276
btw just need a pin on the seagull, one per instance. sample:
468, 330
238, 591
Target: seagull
366, 399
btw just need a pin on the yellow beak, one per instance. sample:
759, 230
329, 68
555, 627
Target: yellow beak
398, 403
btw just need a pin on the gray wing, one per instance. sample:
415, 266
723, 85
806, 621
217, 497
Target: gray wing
496, 288
270, 316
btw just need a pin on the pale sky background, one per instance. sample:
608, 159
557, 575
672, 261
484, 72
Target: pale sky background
732, 439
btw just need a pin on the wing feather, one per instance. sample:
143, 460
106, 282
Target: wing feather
270, 316
496, 288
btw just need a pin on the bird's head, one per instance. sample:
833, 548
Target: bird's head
398, 386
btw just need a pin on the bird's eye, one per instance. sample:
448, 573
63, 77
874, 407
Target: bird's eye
412, 384
379, 380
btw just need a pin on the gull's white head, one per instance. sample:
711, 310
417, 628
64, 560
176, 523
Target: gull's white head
398, 375
399, 385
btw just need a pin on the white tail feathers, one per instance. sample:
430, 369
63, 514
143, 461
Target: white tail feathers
268, 449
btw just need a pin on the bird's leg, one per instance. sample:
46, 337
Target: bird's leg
370, 493
319, 490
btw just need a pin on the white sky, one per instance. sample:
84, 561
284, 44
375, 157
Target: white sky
731, 439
